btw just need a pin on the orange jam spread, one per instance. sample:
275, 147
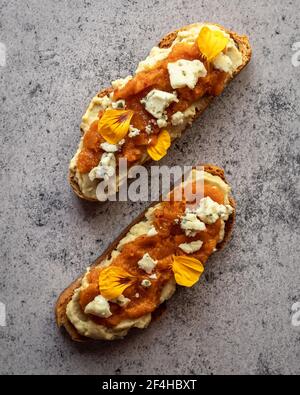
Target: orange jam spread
135, 90
161, 248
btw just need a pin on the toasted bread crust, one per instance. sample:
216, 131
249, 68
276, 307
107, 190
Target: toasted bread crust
244, 47
67, 294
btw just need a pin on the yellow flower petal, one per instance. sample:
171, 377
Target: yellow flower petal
187, 270
160, 149
114, 125
211, 42
113, 281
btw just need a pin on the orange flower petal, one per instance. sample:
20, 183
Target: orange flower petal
211, 42
114, 125
160, 149
113, 281
187, 270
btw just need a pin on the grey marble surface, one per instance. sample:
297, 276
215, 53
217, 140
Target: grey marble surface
238, 318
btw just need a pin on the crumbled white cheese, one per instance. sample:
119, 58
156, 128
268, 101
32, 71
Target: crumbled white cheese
190, 113
229, 212
223, 62
148, 129
147, 263
163, 121
108, 160
137, 295
190, 248
210, 211
103, 101
157, 101
181, 119
146, 283
186, 73
235, 55
229, 61
110, 147
133, 132
120, 104
191, 34
98, 307
152, 232
121, 83
153, 276
191, 224
105, 169
121, 301
177, 118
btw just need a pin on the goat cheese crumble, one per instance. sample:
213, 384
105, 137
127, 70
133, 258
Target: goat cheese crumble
98, 307
186, 73
156, 102
105, 169
147, 263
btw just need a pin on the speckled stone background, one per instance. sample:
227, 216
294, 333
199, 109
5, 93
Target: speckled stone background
239, 318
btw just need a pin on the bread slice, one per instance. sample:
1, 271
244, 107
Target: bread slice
244, 47
66, 296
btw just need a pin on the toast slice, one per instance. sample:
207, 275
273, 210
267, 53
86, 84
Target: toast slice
243, 45
67, 295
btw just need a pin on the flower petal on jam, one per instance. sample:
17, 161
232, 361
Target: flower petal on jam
113, 281
160, 149
114, 125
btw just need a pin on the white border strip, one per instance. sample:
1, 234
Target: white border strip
2, 55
